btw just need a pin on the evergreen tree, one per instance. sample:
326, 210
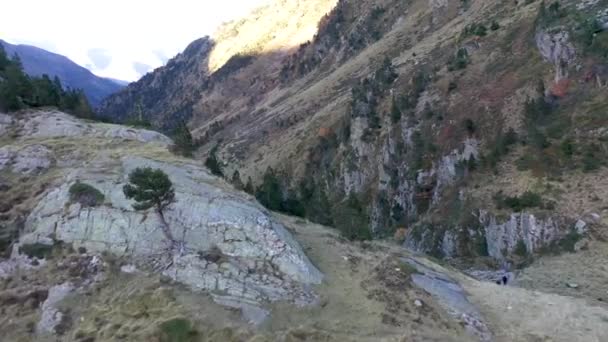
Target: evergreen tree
351, 219
395, 111
213, 164
182, 138
151, 188
269, 192
19, 91
249, 187
236, 180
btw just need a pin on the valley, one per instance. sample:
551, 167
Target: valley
332, 170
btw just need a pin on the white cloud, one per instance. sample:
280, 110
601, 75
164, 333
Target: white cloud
132, 31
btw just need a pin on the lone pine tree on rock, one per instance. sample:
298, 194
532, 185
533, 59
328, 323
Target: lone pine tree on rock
151, 188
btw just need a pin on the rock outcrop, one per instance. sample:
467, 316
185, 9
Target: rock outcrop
233, 248
521, 229
556, 49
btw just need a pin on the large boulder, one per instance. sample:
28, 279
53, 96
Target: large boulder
231, 246
255, 259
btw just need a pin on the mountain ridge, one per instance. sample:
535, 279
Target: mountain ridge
412, 108
37, 61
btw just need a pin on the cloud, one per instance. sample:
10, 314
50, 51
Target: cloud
101, 58
141, 68
134, 31
162, 56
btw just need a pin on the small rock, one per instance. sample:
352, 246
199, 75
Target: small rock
130, 269
581, 226
595, 218
572, 285
418, 302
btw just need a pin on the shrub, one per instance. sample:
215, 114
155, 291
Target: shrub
214, 254
521, 249
518, 203
459, 60
567, 147
86, 195
568, 242
351, 219
37, 250
494, 26
500, 148
177, 330
474, 29
591, 160
213, 164
400, 235
469, 125
184, 144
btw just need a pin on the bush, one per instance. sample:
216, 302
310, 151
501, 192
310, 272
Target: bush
400, 235
184, 144
36, 250
459, 60
351, 219
500, 148
568, 242
86, 195
518, 203
213, 164
591, 160
177, 330
494, 26
521, 249
474, 29
469, 125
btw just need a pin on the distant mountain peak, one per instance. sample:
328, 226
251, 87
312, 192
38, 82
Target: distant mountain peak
37, 61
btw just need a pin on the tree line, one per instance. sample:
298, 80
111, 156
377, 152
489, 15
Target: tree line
20, 91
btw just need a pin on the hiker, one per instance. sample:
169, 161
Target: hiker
505, 279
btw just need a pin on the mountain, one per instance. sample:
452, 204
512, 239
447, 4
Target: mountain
87, 264
37, 62
472, 128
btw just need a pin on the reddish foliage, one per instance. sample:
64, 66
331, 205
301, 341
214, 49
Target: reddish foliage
325, 132
560, 89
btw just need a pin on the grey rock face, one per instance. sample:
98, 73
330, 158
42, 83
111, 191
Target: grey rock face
31, 159
51, 316
557, 49
260, 262
5, 122
499, 237
255, 260
502, 238
54, 124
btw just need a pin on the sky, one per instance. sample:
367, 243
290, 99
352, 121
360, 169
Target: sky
121, 39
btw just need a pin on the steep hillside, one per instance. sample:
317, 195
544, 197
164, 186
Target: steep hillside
84, 263
475, 125
37, 62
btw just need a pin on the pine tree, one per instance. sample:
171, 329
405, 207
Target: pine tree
395, 111
236, 180
151, 188
213, 164
249, 186
182, 138
269, 192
